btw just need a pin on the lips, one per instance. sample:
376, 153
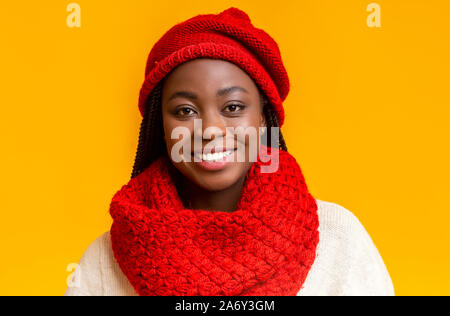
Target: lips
216, 154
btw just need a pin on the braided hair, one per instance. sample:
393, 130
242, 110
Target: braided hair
151, 141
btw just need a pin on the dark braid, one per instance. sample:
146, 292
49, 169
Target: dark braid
272, 121
151, 142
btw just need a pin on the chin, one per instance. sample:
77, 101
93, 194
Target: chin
214, 180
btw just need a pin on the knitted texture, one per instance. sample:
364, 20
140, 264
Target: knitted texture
265, 247
229, 36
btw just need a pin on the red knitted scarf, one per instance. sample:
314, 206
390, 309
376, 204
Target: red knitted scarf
266, 247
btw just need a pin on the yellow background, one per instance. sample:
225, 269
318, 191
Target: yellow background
367, 119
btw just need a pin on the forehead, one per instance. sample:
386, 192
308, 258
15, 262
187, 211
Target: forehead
208, 73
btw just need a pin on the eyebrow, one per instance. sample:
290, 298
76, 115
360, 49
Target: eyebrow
193, 96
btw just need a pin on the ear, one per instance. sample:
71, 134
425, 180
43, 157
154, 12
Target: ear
263, 120
263, 124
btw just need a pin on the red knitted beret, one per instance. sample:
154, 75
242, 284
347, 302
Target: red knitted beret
229, 36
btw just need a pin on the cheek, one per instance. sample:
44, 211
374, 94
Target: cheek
252, 118
181, 133
250, 126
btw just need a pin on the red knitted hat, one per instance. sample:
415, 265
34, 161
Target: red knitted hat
229, 36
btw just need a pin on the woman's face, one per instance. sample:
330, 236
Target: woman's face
222, 95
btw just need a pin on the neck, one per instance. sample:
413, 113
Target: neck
197, 198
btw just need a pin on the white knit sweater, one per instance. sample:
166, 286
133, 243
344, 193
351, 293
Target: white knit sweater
347, 262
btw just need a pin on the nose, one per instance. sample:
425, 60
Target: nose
213, 127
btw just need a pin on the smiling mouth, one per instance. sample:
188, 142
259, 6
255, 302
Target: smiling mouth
214, 156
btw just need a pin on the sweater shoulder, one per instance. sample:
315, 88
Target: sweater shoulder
98, 272
87, 278
341, 230
347, 261
337, 218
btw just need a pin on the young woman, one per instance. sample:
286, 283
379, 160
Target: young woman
193, 221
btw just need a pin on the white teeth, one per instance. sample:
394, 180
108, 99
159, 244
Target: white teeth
215, 156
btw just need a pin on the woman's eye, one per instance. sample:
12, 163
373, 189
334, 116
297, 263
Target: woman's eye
185, 111
235, 107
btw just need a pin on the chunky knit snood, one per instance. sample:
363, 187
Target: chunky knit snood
265, 247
